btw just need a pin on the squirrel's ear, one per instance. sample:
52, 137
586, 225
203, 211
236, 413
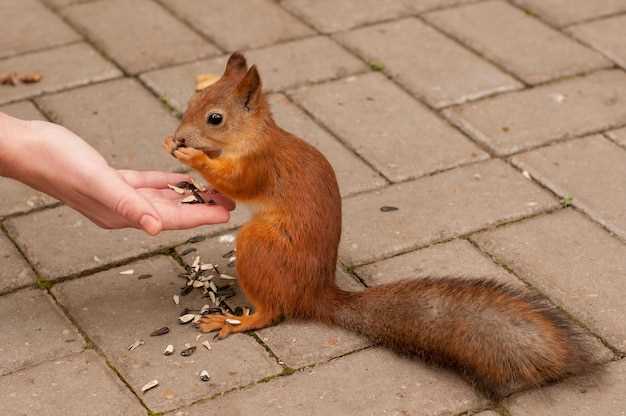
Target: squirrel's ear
249, 89
236, 65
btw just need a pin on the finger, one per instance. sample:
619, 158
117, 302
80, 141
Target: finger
176, 216
220, 199
152, 179
113, 192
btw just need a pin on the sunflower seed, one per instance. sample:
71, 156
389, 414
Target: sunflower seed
188, 251
176, 299
135, 345
231, 261
204, 308
213, 287
196, 239
150, 385
198, 196
185, 319
176, 189
211, 311
169, 350
388, 209
197, 284
185, 290
160, 331
144, 276
226, 238
188, 351
213, 298
196, 319
229, 254
129, 271
206, 266
233, 321
196, 262
204, 376
207, 345
526, 174
191, 199
190, 283
198, 186
227, 277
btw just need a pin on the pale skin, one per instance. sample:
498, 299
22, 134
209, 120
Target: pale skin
53, 160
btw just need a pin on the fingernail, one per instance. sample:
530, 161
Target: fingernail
150, 224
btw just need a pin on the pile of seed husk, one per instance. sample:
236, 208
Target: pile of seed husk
192, 191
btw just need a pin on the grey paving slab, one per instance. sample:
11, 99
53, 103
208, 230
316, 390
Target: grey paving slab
517, 121
368, 383
329, 16
120, 119
457, 258
419, 58
606, 35
399, 136
241, 24
436, 208
157, 38
619, 136
74, 386
19, 198
15, 271
28, 25
130, 309
590, 170
33, 330
352, 173
566, 12
24, 110
571, 260
60, 242
296, 343
63, 67
520, 43
281, 66
601, 394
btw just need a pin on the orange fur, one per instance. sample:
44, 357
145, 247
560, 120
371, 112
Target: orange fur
287, 254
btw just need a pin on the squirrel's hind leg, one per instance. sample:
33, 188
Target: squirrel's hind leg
230, 324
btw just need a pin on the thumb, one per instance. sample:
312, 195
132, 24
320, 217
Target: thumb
138, 212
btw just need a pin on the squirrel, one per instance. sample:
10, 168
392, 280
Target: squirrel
497, 336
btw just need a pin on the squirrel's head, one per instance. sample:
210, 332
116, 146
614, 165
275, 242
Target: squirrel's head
227, 116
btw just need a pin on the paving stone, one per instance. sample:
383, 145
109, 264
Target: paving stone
419, 58
518, 42
601, 394
457, 258
68, 387
24, 110
33, 330
120, 119
296, 343
619, 136
571, 260
19, 198
281, 66
367, 383
329, 16
57, 4
566, 12
605, 35
129, 309
591, 170
517, 121
28, 25
255, 22
353, 174
370, 113
436, 208
488, 413
63, 67
60, 242
157, 38
15, 271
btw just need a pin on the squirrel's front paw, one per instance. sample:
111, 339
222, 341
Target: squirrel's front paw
191, 157
170, 145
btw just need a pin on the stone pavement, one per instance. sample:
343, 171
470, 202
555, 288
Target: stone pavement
498, 128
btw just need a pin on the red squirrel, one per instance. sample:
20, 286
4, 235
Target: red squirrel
498, 336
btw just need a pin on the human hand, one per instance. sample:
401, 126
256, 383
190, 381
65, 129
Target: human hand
51, 159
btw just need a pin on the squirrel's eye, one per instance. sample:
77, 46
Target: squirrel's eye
215, 118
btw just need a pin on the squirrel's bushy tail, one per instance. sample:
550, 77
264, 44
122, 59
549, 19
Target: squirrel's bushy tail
502, 338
